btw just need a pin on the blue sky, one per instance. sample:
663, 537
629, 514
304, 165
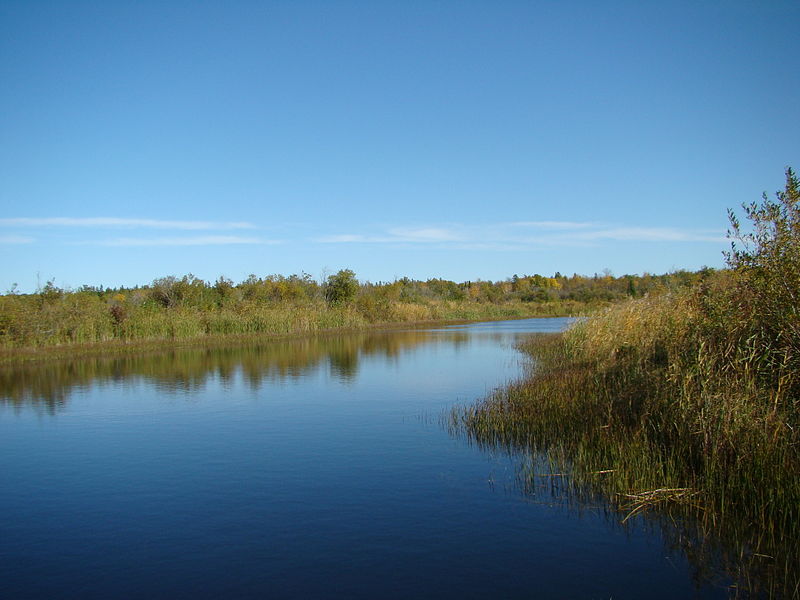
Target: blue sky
461, 140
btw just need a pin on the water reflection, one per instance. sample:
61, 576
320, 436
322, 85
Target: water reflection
49, 385
726, 554
321, 490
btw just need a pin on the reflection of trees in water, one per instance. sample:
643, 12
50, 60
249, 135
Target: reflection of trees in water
344, 362
49, 385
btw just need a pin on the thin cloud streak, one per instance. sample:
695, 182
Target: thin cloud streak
649, 234
348, 238
121, 222
559, 225
208, 240
16, 239
425, 234
398, 235
507, 235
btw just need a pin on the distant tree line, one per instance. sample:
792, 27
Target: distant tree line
187, 306
343, 287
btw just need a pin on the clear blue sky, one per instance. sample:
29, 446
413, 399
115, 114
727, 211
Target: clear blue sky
461, 140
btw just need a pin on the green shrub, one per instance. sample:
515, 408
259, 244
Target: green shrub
341, 288
766, 260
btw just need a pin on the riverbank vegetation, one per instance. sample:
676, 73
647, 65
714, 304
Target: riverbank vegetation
688, 402
185, 308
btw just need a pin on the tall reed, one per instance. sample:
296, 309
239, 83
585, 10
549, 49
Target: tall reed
644, 406
79, 318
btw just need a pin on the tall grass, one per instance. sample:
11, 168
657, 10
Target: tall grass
81, 318
644, 406
687, 403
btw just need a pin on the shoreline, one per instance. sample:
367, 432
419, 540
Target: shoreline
16, 357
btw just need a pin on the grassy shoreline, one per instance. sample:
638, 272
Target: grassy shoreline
171, 308
647, 406
10, 357
686, 404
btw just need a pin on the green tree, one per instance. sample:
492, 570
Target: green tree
50, 293
631, 287
766, 259
341, 288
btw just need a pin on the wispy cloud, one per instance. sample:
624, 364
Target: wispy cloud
551, 225
525, 234
426, 234
206, 240
397, 235
98, 222
348, 238
651, 234
16, 239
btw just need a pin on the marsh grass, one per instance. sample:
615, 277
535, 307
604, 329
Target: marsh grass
642, 407
78, 318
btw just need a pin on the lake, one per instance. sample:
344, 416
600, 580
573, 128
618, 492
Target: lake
303, 468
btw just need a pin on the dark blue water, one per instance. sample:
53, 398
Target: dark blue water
311, 468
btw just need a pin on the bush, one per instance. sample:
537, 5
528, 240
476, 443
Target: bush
766, 261
341, 288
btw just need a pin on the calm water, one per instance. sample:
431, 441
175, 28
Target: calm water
305, 468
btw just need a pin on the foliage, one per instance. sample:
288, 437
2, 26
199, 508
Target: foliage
341, 288
50, 293
179, 307
694, 391
767, 260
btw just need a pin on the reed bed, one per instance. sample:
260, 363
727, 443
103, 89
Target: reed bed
660, 405
78, 318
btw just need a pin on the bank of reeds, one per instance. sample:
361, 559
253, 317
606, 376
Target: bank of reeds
664, 403
83, 318
686, 402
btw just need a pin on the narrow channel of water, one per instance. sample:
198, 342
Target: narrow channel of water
307, 468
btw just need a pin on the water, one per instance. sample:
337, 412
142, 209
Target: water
303, 468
